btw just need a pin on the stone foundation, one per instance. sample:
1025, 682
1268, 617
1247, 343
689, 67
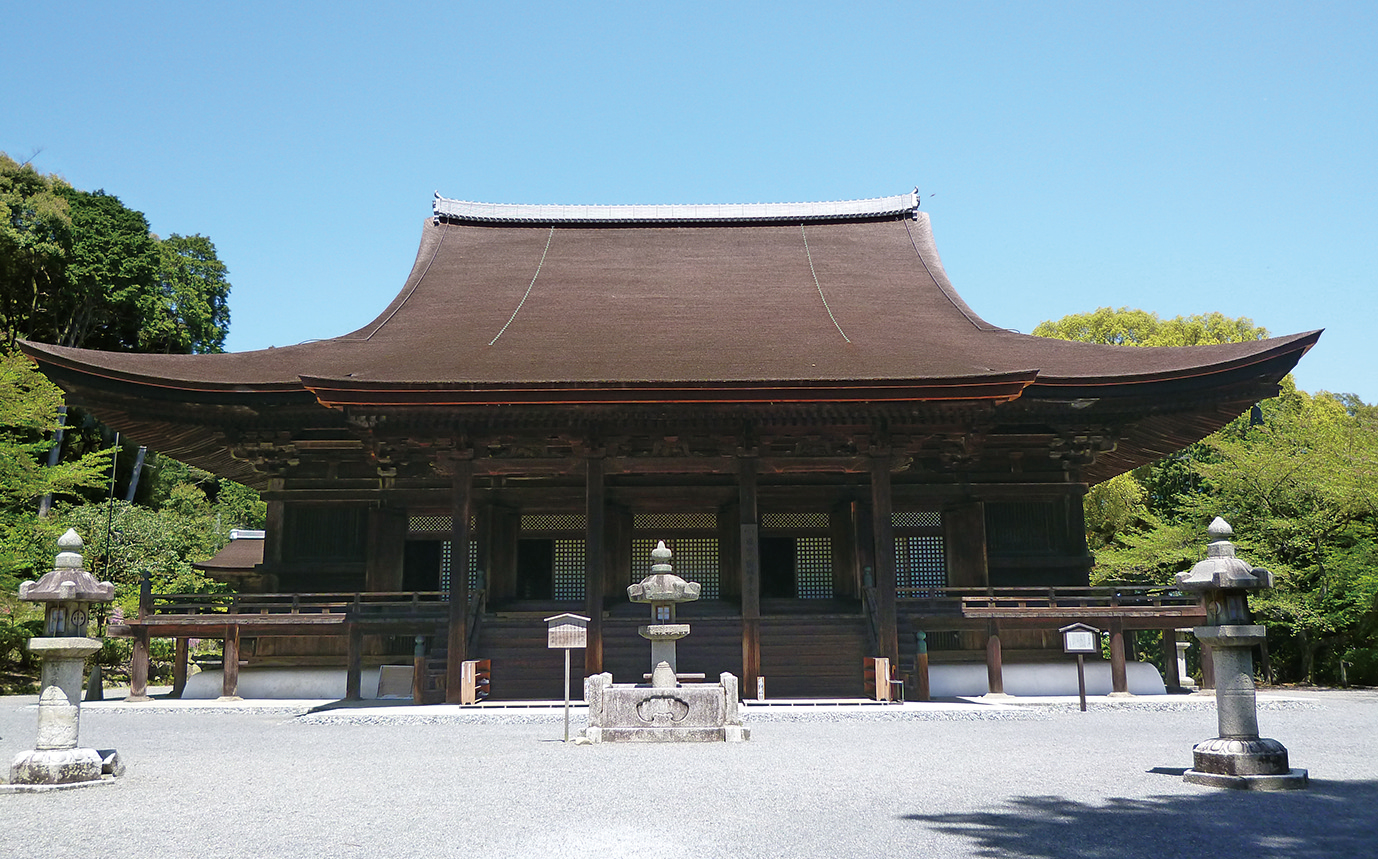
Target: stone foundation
661, 713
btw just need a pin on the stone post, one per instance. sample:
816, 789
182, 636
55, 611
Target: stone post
1182, 647
67, 593
1238, 757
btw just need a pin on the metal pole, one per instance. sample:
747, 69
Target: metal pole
566, 694
1081, 680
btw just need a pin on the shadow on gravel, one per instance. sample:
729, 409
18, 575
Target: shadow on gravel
1330, 819
361, 704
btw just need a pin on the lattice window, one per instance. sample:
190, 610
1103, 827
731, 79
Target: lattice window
920, 562
813, 567
916, 519
475, 580
554, 522
674, 521
695, 560
792, 521
569, 570
434, 524
944, 640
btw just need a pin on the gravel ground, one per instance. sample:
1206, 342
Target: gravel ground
1041, 780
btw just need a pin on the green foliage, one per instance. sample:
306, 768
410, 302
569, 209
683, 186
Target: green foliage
113, 262
35, 241
1298, 481
160, 544
187, 312
80, 268
28, 409
1129, 327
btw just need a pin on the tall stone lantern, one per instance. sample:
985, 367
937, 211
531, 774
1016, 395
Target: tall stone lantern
663, 590
67, 594
1238, 757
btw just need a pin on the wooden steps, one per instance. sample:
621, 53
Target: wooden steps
813, 657
801, 655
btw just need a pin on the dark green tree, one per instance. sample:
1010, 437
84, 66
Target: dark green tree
186, 311
35, 243
112, 269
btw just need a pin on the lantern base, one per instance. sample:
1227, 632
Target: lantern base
1290, 780
1244, 763
58, 766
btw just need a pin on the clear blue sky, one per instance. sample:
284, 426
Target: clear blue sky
1179, 157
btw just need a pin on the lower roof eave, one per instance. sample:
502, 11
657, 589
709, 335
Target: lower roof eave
995, 388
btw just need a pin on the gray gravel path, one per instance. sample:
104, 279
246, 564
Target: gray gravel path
1027, 781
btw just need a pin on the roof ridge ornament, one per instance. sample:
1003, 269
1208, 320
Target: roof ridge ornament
872, 207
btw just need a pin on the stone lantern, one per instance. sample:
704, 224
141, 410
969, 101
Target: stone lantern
665, 710
67, 594
663, 590
1238, 757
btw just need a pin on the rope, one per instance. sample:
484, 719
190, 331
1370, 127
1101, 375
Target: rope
529, 287
959, 308
820, 286
400, 304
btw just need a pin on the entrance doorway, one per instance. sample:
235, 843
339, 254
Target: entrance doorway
421, 565
778, 568
535, 569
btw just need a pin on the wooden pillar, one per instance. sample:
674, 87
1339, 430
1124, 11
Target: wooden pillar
595, 510
617, 554
750, 545
138, 667
274, 523
995, 668
889, 643
964, 535
180, 648
1168, 650
1207, 666
1119, 681
387, 545
921, 688
461, 500
229, 686
418, 670
846, 572
354, 668
502, 554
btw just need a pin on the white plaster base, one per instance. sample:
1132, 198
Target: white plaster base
282, 683
1039, 679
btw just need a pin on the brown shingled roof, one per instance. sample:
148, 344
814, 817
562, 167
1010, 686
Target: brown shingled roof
572, 310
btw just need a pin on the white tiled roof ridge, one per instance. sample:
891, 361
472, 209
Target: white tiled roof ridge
871, 207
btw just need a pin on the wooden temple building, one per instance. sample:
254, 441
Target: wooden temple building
793, 396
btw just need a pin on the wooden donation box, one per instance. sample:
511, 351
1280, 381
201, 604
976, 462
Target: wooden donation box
474, 680
878, 678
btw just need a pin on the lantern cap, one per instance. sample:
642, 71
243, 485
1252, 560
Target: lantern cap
1221, 570
68, 581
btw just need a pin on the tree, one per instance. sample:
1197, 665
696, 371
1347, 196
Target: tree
1130, 327
187, 310
35, 241
112, 268
28, 408
80, 268
1298, 480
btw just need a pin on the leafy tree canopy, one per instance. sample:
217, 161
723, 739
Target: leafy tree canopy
1129, 327
80, 268
1298, 480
